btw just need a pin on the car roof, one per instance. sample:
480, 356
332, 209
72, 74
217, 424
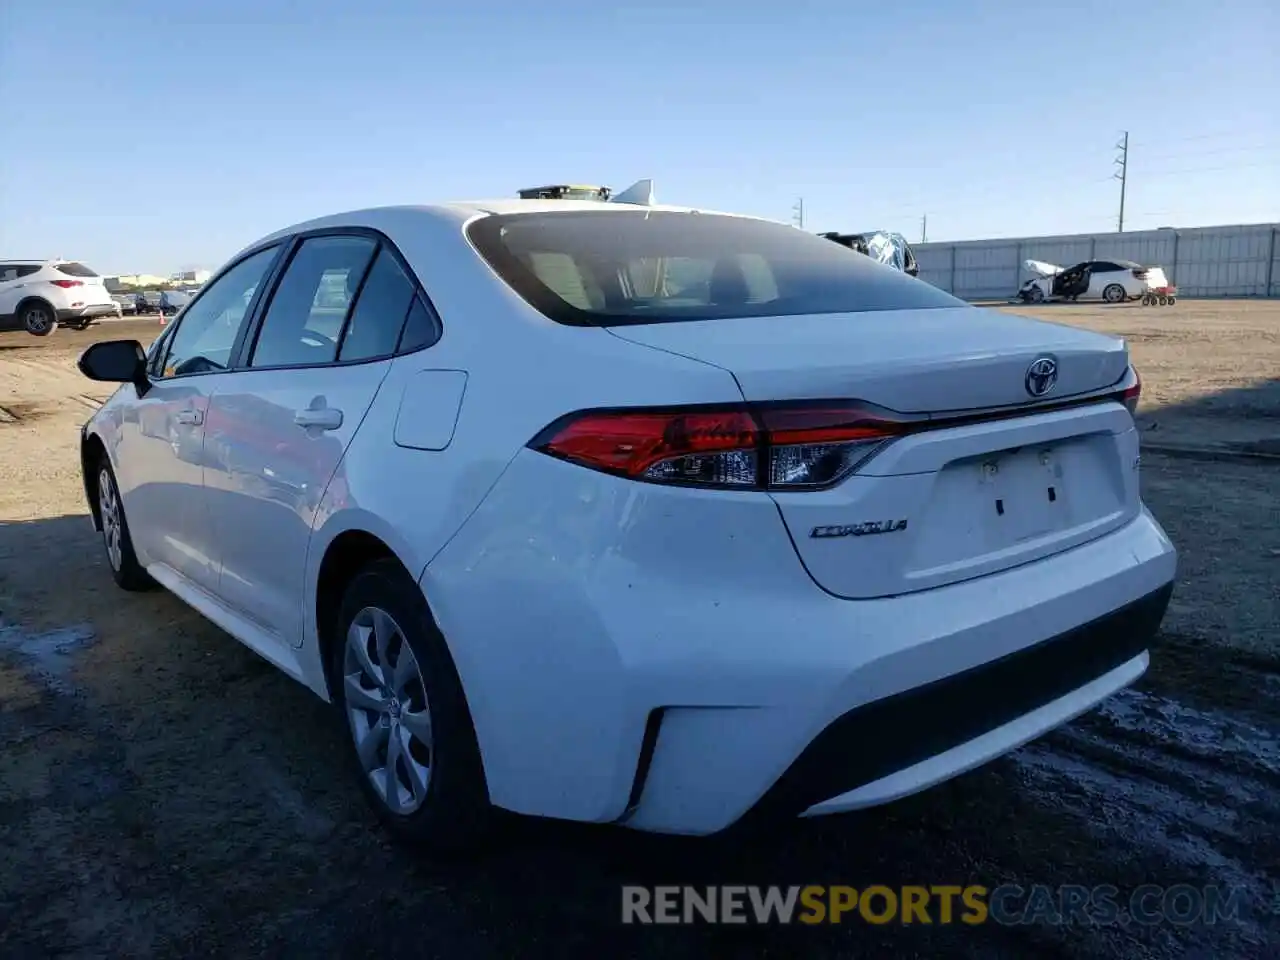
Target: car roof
394, 219
42, 261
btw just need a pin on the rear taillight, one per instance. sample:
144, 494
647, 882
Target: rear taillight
67, 284
714, 447
785, 447
816, 446
1132, 391
1140, 273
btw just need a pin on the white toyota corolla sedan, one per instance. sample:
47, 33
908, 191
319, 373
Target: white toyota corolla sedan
633, 513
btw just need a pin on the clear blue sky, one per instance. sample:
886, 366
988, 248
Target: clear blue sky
154, 135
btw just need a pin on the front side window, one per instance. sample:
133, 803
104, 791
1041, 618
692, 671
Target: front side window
616, 267
304, 320
206, 334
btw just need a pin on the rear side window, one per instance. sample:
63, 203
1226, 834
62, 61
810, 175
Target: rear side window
379, 313
17, 271
74, 270
304, 320
420, 328
616, 267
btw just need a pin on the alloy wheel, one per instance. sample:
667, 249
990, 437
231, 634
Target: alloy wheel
38, 319
112, 522
387, 710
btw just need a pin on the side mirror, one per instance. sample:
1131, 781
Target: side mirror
116, 361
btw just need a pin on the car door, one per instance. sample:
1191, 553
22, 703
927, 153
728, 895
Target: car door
160, 450
8, 290
280, 424
1102, 273
13, 286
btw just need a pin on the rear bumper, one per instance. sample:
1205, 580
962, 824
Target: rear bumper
659, 657
889, 748
88, 312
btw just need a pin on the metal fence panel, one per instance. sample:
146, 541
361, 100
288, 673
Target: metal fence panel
1226, 261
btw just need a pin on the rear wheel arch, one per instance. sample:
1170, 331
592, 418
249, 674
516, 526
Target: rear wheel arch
92, 452
345, 557
29, 301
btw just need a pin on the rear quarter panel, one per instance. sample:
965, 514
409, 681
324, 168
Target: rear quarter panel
522, 371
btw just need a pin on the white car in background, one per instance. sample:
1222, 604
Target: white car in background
1113, 281
42, 295
557, 533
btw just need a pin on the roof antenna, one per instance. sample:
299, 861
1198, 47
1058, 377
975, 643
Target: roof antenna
639, 193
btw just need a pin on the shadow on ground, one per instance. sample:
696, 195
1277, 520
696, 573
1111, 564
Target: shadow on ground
1241, 423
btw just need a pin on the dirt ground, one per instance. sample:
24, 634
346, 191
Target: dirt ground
165, 793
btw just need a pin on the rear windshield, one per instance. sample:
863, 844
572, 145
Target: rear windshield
619, 267
74, 270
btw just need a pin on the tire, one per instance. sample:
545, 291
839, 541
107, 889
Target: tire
1163, 300
1172, 300
1114, 293
442, 804
116, 539
38, 319
1035, 295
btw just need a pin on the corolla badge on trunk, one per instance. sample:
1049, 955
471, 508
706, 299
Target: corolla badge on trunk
1041, 376
864, 529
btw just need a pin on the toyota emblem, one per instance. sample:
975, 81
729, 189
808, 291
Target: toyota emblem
1041, 376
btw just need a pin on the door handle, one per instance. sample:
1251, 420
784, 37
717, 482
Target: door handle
192, 417
325, 418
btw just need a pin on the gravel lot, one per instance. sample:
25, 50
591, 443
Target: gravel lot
163, 792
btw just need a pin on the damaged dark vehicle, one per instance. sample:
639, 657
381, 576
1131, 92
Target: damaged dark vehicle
882, 245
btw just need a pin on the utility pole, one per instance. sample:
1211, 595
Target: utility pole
1122, 174
924, 229
797, 213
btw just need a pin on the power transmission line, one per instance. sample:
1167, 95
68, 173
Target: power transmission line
981, 197
797, 213
1218, 151
1230, 166
1193, 138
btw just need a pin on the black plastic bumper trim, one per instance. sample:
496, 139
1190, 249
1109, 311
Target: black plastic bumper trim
648, 744
896, 732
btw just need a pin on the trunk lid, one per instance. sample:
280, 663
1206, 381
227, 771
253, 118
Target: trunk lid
911, 361
1155, 278
959, 498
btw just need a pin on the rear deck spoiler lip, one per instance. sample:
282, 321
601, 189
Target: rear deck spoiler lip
1110, 392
